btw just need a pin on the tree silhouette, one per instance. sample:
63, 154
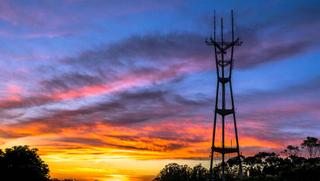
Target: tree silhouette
291, 151
263, 166
199, 173
176, 172
22, 163
311, 144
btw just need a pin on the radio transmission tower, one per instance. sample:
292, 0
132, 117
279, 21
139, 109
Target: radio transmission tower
224, 103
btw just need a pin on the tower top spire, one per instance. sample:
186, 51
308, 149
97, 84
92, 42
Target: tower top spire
212, 41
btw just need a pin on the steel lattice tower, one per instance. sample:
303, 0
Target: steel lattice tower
224, 107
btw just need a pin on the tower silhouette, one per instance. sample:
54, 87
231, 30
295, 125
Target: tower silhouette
224, 102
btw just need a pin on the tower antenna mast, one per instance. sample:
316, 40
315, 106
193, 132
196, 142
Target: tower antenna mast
224, 64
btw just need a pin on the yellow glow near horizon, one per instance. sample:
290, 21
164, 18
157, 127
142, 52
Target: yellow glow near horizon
118, 153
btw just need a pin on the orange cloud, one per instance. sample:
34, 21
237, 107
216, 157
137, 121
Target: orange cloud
104, 151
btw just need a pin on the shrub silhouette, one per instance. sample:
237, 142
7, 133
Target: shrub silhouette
260, 167
176, 172
21, 163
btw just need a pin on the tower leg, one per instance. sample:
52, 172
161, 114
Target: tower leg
236, 131
223, 162
212, 151
213, 135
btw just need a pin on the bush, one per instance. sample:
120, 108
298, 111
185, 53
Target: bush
22, 163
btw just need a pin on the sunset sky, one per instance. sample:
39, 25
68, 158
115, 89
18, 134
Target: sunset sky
114, 90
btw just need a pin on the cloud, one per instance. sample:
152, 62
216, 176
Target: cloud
71, 81
76, 85
125, 108
284, 116
162, 121
50, 19
160, 50
25, 102
160, 57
